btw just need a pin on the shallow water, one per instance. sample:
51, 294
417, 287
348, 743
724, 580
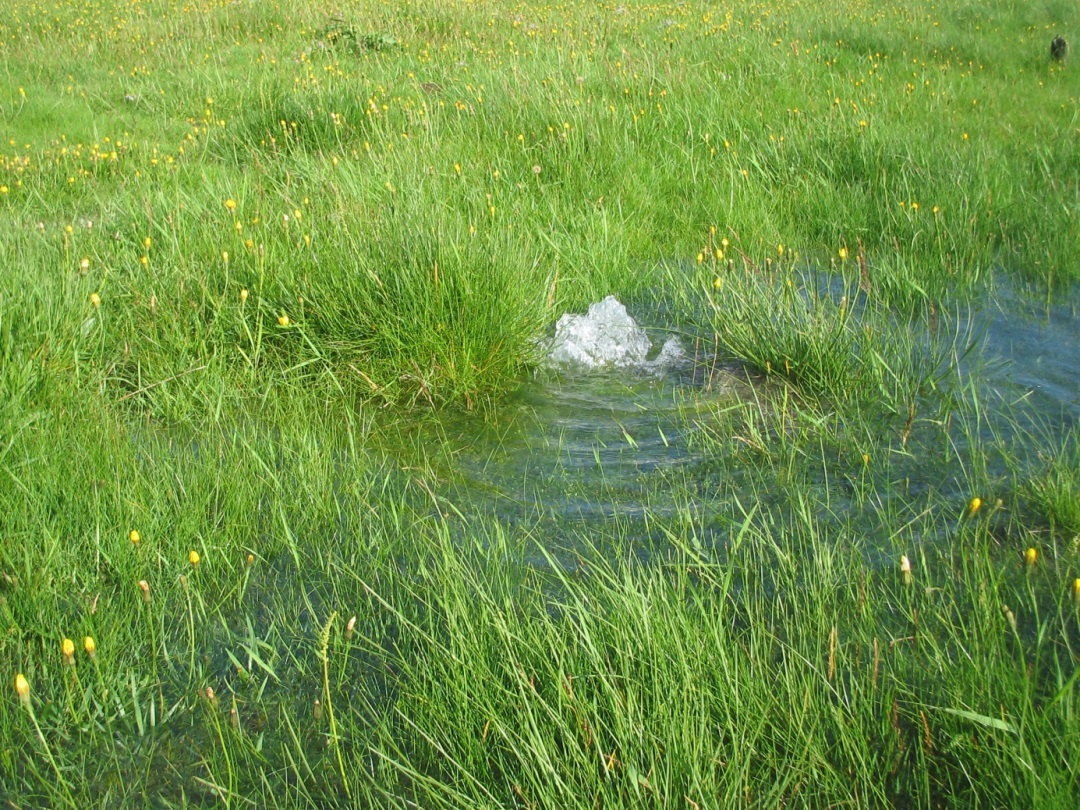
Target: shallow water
572, 452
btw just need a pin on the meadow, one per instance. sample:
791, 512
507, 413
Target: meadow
294, 514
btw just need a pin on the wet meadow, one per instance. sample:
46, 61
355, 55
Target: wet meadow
297, 510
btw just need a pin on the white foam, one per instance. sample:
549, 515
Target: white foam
607, 337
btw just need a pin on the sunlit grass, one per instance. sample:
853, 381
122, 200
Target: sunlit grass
271, 274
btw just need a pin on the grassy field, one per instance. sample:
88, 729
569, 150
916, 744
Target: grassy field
270, 271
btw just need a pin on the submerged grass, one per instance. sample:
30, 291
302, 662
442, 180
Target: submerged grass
268, 275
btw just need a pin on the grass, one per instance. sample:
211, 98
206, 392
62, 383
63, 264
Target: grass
273, 283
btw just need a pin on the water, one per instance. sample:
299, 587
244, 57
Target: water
1038, 353
608, 337
622, 437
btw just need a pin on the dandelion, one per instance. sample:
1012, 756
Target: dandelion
147, 242
973, 506
134, 537
865, 459
700, 258
230, 204
1076, 589
243, 295
22, 688
67, 647
144, 586
193, 557
843, 254
283, 320
95, 299
905, 569
90, 647
250, 560
717, 283
84, 265
536, 170
1031, 556
225, 256
780, 250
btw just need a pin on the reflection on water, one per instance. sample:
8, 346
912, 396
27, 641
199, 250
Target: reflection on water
1041, 347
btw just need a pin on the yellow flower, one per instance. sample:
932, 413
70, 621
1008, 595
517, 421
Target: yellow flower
843, 254
84, 265
717, 283
22, 688
283, 320
225, 256
243, 295
147, 242
193, 557
1031, 556
67, 647
90, 647
973, 506
134, 536
230, 204
95, 299
1076, 589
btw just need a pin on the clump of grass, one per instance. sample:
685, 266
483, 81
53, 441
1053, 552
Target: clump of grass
1054, 491
829, 338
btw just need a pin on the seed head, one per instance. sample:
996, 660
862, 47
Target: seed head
905, 569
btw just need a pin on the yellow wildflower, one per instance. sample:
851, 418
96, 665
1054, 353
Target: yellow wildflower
22, 688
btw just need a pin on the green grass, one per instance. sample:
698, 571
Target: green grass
275, 280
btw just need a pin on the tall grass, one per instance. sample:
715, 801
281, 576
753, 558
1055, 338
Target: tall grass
268, 275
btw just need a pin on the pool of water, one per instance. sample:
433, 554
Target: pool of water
575, 452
